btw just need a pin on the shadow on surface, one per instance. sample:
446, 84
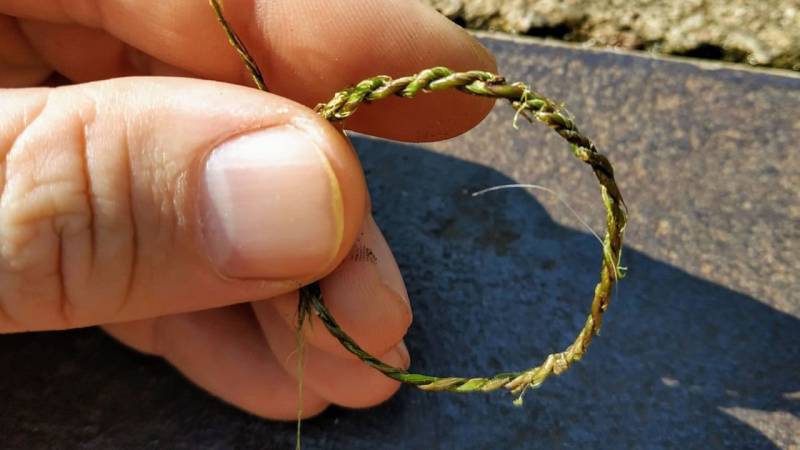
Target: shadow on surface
496, 285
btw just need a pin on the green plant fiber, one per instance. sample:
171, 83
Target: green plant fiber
527, 104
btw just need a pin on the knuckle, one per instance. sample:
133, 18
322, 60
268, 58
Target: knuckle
81, 208
46, 218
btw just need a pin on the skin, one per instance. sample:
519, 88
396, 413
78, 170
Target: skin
98, 226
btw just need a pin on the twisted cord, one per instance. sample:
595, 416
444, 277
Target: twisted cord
528, 104
531, 106
238, 45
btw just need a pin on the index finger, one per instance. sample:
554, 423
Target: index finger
307, 50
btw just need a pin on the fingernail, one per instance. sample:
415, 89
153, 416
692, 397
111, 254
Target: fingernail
270, 205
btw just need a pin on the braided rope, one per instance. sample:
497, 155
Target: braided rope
532, 106
528, 104
238, 45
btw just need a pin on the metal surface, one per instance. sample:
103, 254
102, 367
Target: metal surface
701, 345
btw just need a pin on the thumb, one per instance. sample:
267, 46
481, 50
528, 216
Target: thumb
138, 197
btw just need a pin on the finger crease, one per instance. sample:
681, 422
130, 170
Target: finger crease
65, 306
27, 121
88, 187
134, 240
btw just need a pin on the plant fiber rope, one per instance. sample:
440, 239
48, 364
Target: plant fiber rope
533, 107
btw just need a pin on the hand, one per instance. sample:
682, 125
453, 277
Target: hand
158, 207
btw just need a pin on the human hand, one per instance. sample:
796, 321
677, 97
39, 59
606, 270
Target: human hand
166, 209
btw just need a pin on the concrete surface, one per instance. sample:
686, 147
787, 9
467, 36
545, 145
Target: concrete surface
757, 32
701, 346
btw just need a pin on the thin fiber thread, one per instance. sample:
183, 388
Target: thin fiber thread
533, 107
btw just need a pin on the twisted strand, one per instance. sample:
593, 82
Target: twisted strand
527, 104
532, 106
238, 45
